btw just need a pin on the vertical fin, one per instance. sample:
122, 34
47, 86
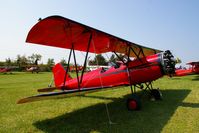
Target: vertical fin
59, 73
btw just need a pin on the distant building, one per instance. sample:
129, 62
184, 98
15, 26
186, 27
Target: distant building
94, 67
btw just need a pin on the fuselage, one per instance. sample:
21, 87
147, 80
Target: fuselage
100, 78
146, 69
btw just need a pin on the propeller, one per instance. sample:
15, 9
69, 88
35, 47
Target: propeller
169, 62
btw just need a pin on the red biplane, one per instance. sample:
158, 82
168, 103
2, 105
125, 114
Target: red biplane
193, 69
33, 69
5, 70
148, 64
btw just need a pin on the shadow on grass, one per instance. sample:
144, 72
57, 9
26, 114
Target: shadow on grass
196, 78
176, 78
7, 73
19, 73
192, 105
152, 117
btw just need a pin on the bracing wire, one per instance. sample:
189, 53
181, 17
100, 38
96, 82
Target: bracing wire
51, 82
97, 64
107, 110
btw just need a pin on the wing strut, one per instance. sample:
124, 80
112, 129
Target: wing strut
67, 69
141, 50
85, 61
118, 57
129, 77
139, 53
76, 66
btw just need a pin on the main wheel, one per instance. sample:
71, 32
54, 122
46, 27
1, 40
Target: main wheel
133, 103
156, 94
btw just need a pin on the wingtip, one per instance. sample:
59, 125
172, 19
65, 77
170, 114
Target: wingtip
21, 101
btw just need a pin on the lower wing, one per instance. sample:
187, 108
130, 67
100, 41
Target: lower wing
62, 94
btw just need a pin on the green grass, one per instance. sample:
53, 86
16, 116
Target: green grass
177, 113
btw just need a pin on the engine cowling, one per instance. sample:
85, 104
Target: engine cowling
165, 59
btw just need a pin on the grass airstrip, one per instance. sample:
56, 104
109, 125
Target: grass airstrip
178, 112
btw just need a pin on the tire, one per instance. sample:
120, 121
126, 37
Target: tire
156, 94
133, 103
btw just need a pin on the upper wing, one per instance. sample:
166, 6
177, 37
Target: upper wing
61, 32
193, 63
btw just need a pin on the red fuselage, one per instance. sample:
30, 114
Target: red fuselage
135, 72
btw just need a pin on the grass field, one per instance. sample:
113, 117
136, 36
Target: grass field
178, 112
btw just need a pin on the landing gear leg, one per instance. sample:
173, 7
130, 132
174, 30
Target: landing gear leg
134, 102
155, 93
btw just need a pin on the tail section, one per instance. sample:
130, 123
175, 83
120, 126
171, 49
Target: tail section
59, 75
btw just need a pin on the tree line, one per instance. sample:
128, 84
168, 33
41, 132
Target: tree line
21, 62
100, 60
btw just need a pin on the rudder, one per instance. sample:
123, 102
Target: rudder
59, 75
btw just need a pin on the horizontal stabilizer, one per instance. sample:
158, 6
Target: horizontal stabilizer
47, 89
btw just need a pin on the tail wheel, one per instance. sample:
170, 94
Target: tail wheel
156, 94
133, 103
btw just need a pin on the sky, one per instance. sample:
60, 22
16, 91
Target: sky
160, 24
